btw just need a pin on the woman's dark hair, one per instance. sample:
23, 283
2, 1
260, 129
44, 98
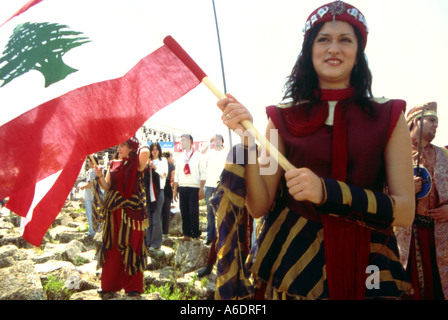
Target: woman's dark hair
303, 81
132, 153
155, 145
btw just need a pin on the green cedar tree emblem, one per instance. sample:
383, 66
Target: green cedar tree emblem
39, 46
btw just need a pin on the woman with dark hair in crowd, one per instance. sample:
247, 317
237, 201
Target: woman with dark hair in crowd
155, 196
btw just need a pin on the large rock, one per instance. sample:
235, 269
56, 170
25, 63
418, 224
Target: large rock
158, 278
191, 255
63, 219
65, 234
7, 254
11, 235
20, 282
159, 259
72, 251
74, 278
12, 218
175, 228
6, 226
53, 265
90, 268
72, 206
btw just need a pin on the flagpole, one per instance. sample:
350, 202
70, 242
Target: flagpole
222, 62
202, 77
281, 160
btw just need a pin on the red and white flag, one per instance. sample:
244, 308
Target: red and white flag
76, 77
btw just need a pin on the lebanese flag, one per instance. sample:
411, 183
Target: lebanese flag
77, 77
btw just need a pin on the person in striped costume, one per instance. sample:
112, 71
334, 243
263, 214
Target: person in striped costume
123, 255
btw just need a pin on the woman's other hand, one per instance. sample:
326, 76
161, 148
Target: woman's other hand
304, 185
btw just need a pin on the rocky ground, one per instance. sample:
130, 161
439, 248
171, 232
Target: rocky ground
65, 266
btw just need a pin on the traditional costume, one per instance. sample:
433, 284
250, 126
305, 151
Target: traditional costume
328, 256
304, 251
123, 255
424, 246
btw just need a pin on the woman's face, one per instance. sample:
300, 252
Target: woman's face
154, 153
334, 54
124, 150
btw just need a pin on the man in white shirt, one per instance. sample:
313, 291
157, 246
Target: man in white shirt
215, 159
189, 181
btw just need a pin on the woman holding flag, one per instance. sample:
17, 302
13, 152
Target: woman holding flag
123, 253
326, 223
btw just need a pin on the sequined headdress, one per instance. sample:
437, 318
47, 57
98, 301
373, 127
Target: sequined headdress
341, 11
133, 143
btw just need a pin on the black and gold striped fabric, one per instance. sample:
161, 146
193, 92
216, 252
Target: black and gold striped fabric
233, 281
288, 259
394, 281
97, 206
374, 209
133, 218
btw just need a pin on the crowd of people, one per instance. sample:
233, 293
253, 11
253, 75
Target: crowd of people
135, 194
367, 187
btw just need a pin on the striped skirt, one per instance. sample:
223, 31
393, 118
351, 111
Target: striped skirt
132, 224
288, 260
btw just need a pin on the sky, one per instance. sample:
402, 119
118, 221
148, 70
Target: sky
260, 42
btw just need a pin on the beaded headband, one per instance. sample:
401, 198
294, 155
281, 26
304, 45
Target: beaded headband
341, 11
133, 143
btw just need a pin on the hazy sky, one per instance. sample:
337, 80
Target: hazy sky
261, 40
